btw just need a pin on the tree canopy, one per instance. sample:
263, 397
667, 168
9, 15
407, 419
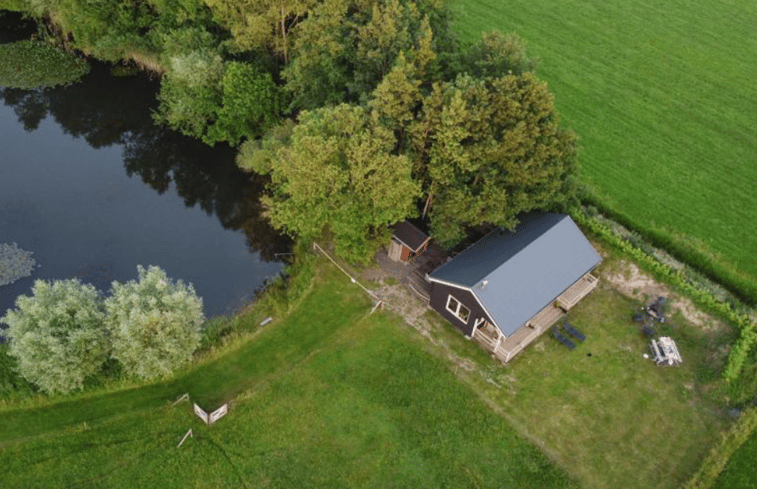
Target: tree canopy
154, 323
57, 334
489, 149
336, 173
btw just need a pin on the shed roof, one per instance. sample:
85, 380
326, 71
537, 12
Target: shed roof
516, 274
410, 236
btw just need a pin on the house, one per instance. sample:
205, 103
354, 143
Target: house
407, 242
509, 287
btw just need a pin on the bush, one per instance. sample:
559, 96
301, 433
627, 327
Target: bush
57, 334
154, 323
32, 64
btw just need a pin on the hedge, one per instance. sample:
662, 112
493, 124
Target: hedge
703, 298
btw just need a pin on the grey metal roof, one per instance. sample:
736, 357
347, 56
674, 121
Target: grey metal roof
516, 274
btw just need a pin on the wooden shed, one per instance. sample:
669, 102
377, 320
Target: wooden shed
407, 242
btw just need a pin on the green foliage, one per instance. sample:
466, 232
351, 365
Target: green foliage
344, 49
337, 173
57, 334
190, 92
12, 383
490, 149
34, 64
703, 298
720, 455
154, 323
251, 104
205, 97
256, 24
495, 55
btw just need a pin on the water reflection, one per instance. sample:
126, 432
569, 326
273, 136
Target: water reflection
82, 210
107, 111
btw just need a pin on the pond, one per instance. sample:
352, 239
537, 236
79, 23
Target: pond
92, 187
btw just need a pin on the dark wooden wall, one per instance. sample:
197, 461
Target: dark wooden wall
438, 301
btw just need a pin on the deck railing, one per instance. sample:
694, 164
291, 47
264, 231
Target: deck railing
577, 291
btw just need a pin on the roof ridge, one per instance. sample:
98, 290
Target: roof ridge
512, 257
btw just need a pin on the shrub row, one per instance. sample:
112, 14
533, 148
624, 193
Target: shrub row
718, 458
703, 298
742, 287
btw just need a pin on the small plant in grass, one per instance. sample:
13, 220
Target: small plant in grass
154, 323
57, 334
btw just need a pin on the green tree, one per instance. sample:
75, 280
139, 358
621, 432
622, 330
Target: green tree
261, 24
154, 323
345, 48
494, 55
335, 171
488, 150
190, 92
251, 103
57, 334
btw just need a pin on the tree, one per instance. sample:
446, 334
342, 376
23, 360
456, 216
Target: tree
335, 171
490, 149
154, 323
494, 55
251, 104
345, 48
57, 334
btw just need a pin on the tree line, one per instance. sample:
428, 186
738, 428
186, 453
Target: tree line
361, 112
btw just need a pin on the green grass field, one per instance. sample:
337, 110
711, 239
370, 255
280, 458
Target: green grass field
613, 419
330, 397
662, 96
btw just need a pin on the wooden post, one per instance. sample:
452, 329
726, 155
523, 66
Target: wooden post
189, 433
476, 324
499, 340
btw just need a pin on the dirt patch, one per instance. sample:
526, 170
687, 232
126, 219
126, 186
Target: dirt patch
632, 282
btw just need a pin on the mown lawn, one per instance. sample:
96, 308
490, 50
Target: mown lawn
329, 397
662, 96
610, 417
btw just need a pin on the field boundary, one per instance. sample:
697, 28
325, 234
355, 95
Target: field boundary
718, 458
743, 288
741, 317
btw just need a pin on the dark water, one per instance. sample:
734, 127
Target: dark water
93, 188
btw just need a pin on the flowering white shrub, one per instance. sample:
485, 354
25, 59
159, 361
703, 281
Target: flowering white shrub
154, 323
57, 334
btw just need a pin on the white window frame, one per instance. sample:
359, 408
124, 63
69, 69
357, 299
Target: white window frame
456, 310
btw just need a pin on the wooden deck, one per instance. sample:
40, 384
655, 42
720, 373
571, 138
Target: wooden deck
506, 348
577, 291
546, 318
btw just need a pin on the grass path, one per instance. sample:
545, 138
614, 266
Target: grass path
662, 96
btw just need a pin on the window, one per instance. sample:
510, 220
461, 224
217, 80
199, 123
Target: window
459, 310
